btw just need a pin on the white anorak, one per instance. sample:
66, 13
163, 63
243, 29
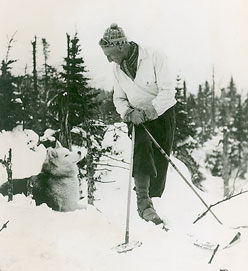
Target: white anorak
152, 84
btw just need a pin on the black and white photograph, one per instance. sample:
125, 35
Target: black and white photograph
123, 135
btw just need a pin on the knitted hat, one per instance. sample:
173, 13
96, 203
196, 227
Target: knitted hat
114, 35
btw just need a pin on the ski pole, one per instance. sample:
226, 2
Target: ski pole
127, 246
129, 188
179, 172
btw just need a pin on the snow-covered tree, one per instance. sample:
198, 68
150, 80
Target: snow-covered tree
185, 132
78, 107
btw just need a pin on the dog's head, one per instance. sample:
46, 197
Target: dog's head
61, 161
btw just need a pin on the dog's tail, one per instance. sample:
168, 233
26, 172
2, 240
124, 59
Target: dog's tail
4, 189
19, 187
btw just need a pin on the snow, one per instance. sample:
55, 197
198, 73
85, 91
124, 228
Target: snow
38, 238
27, 157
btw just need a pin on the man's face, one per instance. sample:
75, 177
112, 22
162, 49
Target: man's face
114, 54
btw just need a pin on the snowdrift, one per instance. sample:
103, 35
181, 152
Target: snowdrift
38, 238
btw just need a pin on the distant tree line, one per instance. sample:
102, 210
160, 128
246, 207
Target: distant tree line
62, 101
204, 116
65, 102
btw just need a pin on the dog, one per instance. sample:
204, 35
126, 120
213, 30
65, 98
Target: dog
57, 184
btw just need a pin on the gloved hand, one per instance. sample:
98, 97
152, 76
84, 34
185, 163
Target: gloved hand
150, 112
136, 116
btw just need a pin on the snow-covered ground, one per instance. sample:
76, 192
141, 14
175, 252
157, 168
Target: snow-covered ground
38, 238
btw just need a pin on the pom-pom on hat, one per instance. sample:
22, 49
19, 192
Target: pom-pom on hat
114, 35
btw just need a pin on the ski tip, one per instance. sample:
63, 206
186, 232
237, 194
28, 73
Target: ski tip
163, 225
126, 247
234, 241
165, 228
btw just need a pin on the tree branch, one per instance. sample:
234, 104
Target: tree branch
102, 169
212, 205
214, 252
115, 159
4, 226
7, 162
118, 128
104, 182
100, 164
9, 46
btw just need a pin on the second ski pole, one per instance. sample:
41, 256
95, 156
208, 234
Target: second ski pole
179, 172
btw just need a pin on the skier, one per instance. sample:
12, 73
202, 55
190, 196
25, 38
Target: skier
143, 95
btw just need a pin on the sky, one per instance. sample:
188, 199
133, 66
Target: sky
198, 36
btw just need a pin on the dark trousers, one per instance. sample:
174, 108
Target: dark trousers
147, 158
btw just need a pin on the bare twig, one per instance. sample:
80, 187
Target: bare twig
2, 162
9, 46
212, 205
4, 226
7, 162
115, 159
108, 165
214, 252
104, 182
240, 227
118, 128
102, 169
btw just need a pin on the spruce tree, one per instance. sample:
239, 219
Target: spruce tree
106, 107
185, 132
11, 112
78, 109
49, 85
32, 95
199, 117
244, 145
213, 106
229, 123
185, 125
82, 104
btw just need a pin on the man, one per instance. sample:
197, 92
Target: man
143, 95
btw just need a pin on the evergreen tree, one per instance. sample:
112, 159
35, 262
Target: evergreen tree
199, 117
82, 102
78, 108
11, 112
244, 145
25, 85
213, 106
185, 126
185, 132
35, 77
77, 99
230, 119
106, 107
207, 113
204, 112
238, 135
46, 52
49, 85
31, 91
192, 110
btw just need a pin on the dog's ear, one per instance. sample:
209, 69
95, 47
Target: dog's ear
58, 145
51, 153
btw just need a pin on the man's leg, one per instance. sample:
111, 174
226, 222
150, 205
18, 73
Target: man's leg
144, 202
162, 130
143, 169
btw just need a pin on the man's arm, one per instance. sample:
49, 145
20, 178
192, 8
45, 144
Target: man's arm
120, 99
166, 96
